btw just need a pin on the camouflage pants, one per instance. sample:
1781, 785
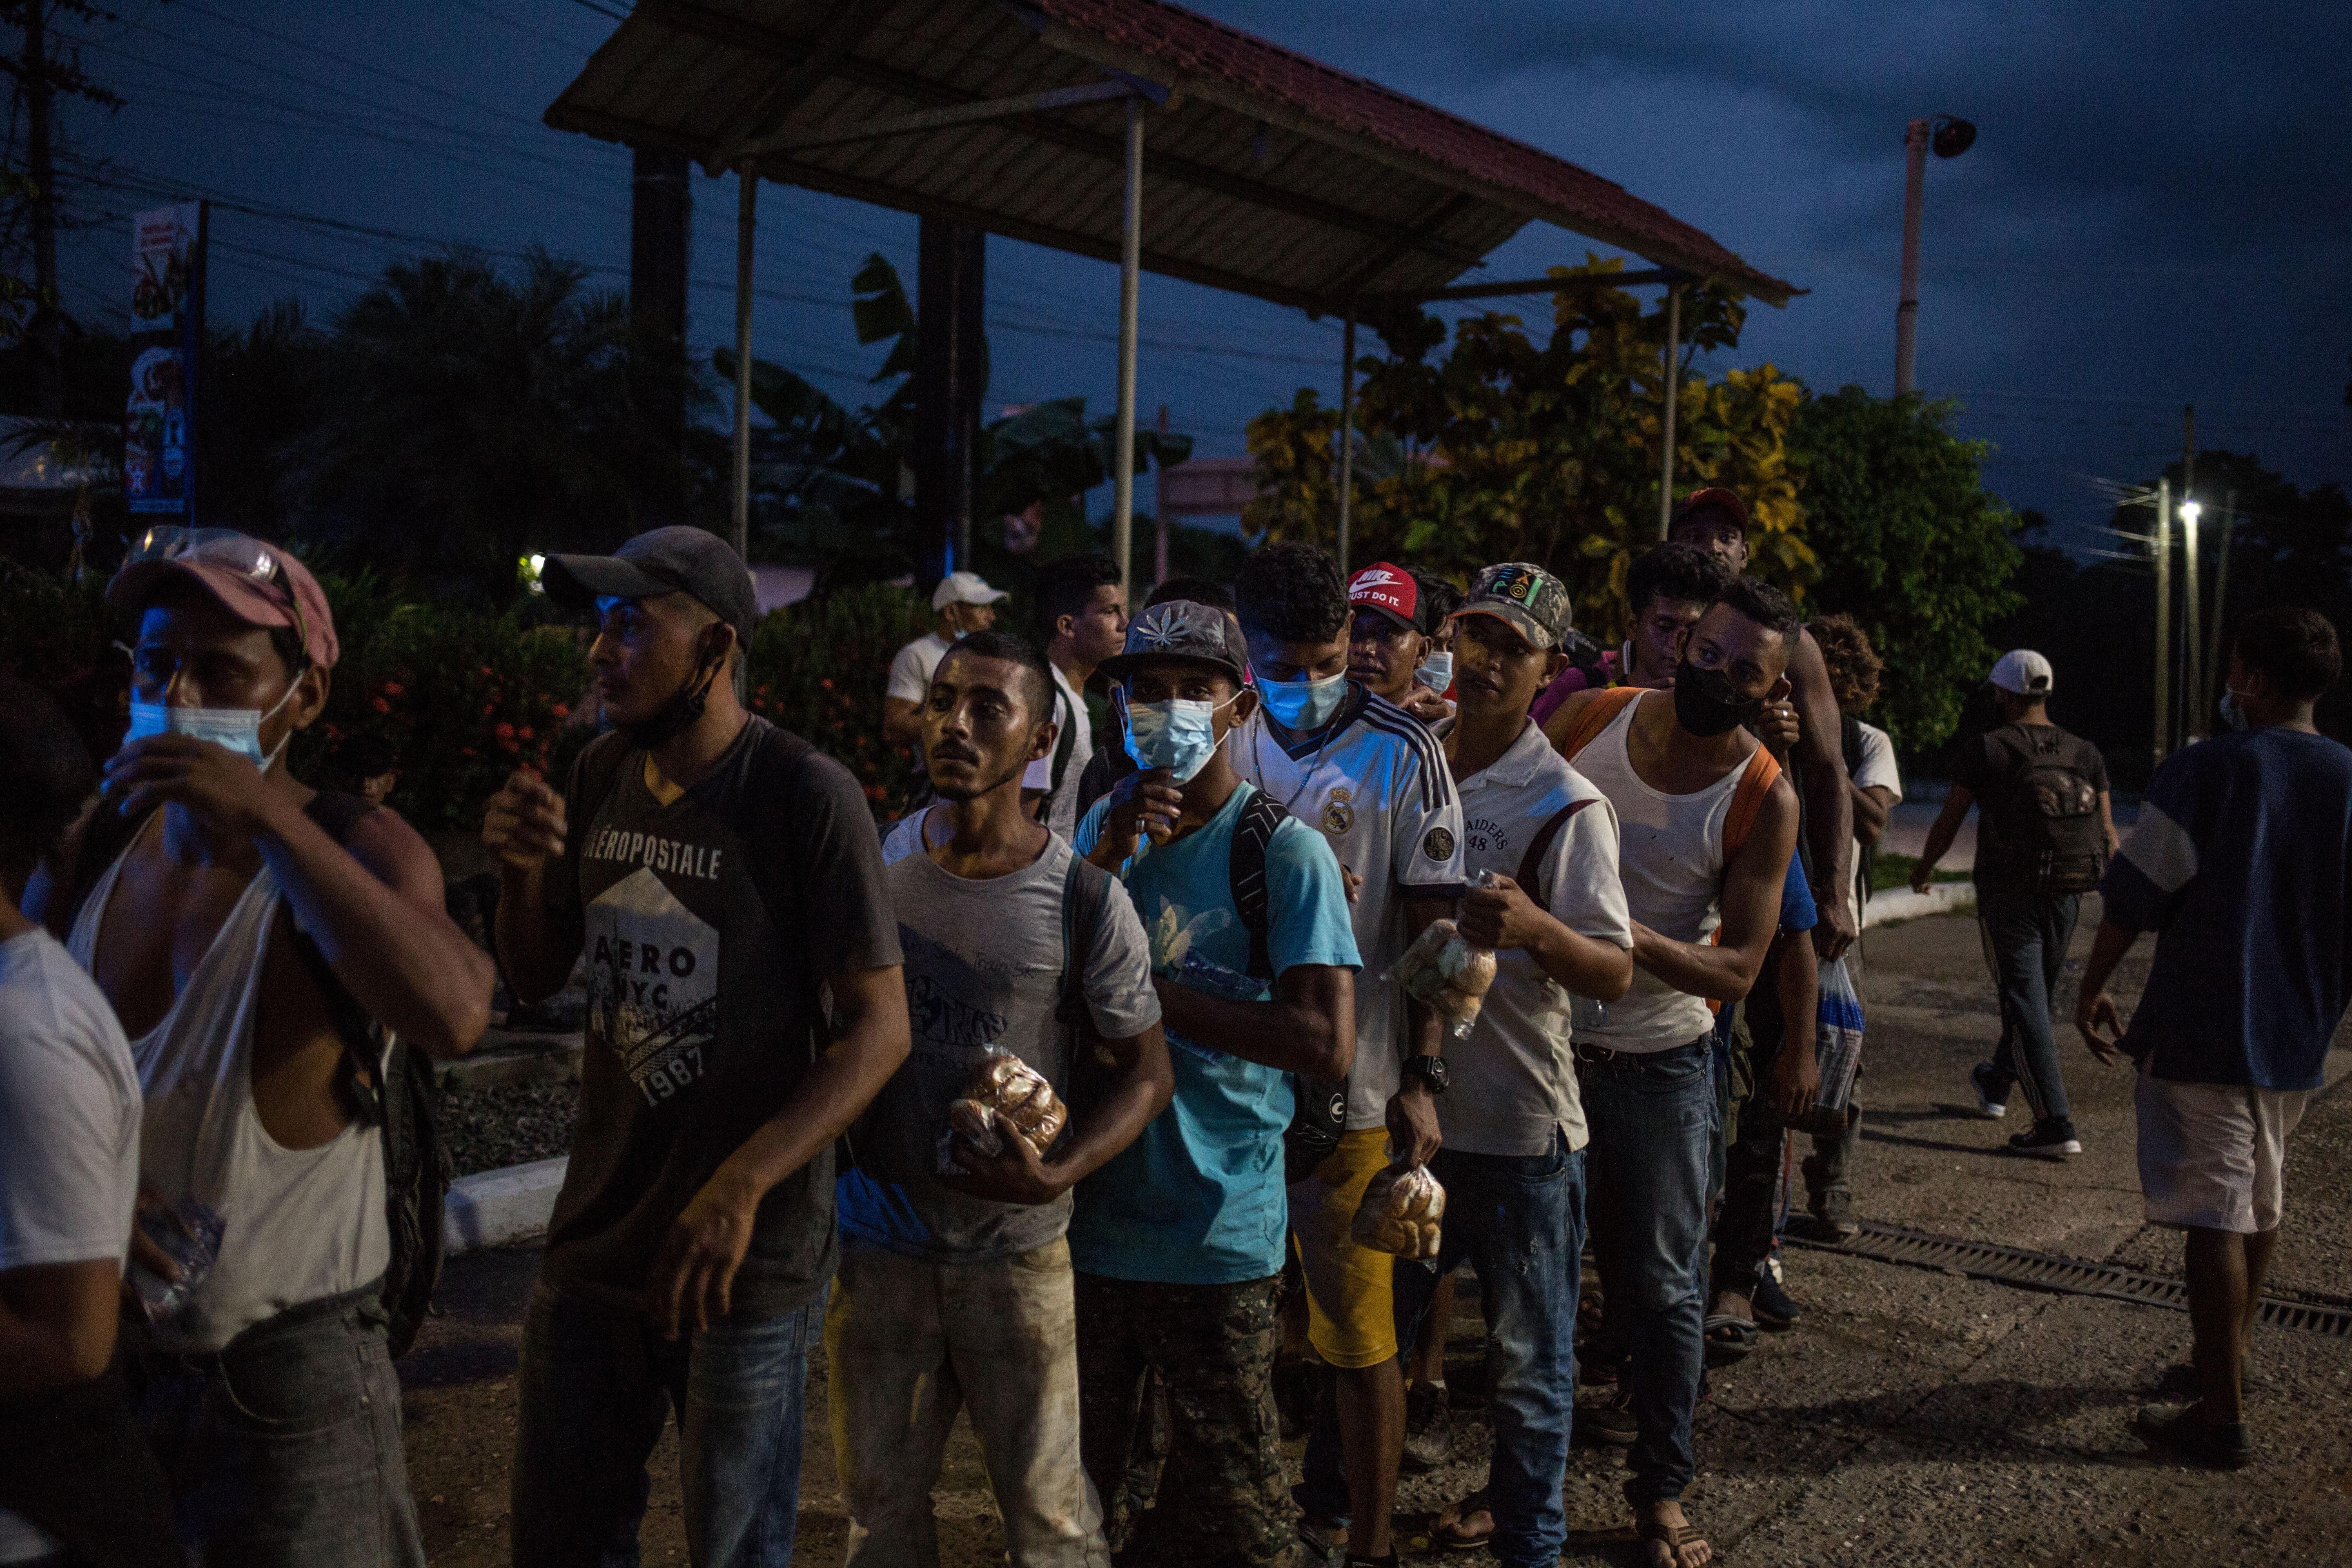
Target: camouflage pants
1221, 1501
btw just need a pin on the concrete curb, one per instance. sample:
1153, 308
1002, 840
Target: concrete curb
495, 1208
1902, 904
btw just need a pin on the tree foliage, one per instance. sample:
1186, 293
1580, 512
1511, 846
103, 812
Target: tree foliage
1512, 448
1909, 544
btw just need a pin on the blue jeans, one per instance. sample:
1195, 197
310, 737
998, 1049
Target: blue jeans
1520, 1221
596, 1384
1654, 1124
2025, 937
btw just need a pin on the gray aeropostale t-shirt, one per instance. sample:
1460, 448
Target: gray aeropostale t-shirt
703, 1006
984, 962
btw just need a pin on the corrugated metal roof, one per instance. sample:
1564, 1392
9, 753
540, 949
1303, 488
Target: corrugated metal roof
1266, 171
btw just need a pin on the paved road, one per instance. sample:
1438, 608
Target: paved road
1913, 1418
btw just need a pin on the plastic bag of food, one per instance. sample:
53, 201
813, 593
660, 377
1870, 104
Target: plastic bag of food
1401, 1212
1447, 973
1005, 1095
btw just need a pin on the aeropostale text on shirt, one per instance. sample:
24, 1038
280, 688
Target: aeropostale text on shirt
655, 853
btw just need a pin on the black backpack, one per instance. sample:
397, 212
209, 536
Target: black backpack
385, 1082
2048, 812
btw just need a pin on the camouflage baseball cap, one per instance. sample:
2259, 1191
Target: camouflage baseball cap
1533, 601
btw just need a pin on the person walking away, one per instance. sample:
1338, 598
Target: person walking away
1389, 635
1177, 1241
1706, 826
251, 934
716, 874
1082, 610
77, 1482
1715, 519
954, 1290
1876, 787
1513, 1164
2045, 829
961, 604
1373, 780
2241, 863
1111, 764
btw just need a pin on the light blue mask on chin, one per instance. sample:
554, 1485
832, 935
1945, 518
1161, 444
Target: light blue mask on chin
1303, 705
236, 729
1180, 736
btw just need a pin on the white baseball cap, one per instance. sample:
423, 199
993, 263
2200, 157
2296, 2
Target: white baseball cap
2024, 672
964, 588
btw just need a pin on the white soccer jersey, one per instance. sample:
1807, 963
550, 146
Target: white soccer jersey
1377, 786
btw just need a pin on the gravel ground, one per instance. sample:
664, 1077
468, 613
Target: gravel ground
508, 1126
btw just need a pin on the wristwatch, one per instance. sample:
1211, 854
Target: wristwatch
1431, 1070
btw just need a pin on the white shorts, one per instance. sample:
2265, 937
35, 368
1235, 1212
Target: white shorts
2210, 1153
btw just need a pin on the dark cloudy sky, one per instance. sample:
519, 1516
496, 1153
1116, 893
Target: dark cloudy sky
2154, 214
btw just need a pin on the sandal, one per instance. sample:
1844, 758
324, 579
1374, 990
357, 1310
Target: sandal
1673, 1537
1450, 1534
1728, 1338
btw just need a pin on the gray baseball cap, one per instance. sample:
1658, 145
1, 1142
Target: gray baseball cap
1182, 629
680, 559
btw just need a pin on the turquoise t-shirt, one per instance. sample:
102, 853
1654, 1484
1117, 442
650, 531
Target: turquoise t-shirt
1198, 1198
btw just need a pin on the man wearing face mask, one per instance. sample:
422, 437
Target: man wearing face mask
238, 922
1707, 827
722, 879
1179, 1240
1374, 781
963, 603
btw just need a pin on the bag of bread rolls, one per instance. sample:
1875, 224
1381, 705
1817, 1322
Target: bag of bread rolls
1400, 1213
1005, 1096
1446, 973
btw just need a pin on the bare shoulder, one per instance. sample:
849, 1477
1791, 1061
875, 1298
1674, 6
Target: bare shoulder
1562, 718
384, 842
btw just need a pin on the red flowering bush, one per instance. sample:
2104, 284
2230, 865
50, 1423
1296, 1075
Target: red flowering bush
817, 669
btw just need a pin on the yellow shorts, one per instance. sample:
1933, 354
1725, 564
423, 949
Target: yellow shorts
1350, 1301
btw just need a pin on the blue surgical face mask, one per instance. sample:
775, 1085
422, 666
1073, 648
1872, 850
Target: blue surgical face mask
1303, 705
1436, 671
2231, 714
1180, 736
237, 728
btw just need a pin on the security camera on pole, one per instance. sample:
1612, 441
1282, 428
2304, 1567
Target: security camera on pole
1950, 138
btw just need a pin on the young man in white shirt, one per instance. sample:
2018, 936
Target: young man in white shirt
1513, 1165
963, 603
77, 1483
1082, 610
1707, 827
1374, 781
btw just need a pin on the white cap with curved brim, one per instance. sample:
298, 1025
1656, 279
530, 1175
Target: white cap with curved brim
964, 588
2024, 672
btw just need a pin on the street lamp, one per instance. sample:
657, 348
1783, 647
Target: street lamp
1951, 137
2192, 697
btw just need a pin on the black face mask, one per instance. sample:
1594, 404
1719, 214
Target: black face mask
676, 716
1708, 704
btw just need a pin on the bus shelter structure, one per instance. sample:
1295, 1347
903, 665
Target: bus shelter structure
1132, 130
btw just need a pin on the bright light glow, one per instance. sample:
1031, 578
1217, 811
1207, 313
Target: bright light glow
2188, 510
531, 567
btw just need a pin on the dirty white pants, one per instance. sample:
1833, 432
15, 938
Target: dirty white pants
908, 1342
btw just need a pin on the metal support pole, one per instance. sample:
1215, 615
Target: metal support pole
1346, 431
1674, 385
2213, 675
747, 179
2162, 544
2192, 711
1160, 504
1130, 265
1906, 309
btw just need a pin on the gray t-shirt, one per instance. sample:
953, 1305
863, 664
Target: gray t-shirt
984, 965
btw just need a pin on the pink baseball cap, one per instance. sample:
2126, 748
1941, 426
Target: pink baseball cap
260, 584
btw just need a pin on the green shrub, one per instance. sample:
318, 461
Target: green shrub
817, 669
57, 634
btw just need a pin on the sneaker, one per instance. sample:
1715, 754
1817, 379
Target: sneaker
1609, 1420
1992, 1095
1428, 1428
1833, 1217
2183, 1430
1769, 1302
2052, 1139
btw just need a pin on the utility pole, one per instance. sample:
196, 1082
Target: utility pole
1347, 479
1160, 504
2221, 590
40, 97
1674, 399
2161, 545
1906, 309
2192, 708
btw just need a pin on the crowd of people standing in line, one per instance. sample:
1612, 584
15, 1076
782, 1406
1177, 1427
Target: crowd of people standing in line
1188, 934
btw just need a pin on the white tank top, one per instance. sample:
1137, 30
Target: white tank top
298, 1223
1670, 857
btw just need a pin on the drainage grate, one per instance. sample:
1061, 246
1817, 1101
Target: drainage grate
2073, 1276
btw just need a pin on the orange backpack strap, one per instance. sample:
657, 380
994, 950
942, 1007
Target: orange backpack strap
1596, 716
1763, 771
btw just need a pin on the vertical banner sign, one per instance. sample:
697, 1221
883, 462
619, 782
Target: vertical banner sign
167, 321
